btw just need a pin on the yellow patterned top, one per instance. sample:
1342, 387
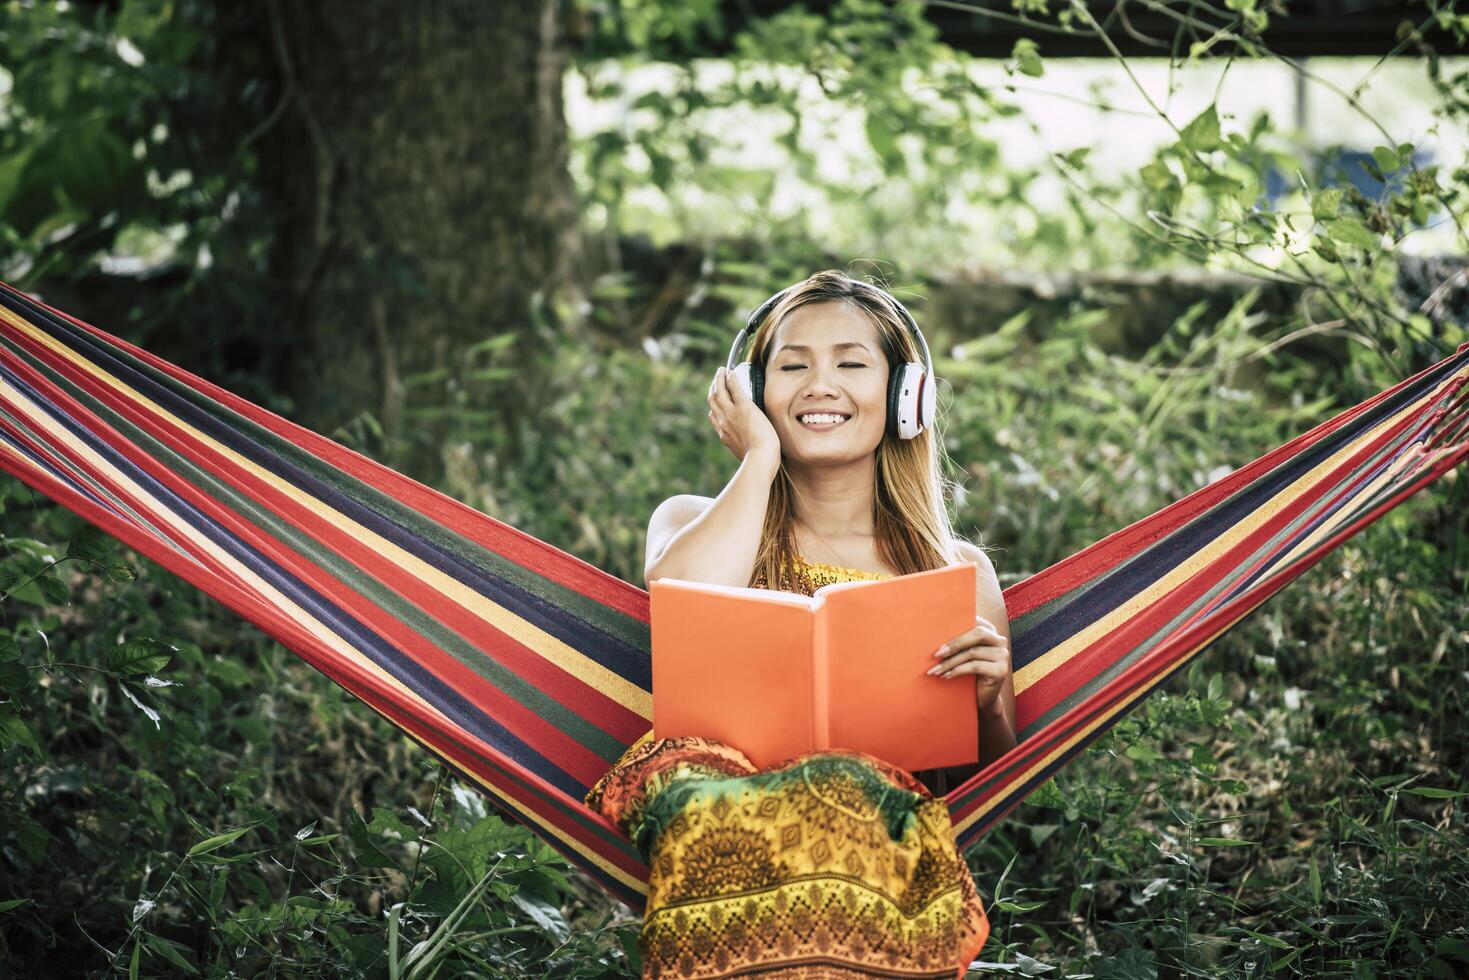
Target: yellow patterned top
812, 575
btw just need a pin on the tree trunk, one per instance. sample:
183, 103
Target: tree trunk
420, 171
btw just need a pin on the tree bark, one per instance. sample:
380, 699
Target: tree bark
420, 172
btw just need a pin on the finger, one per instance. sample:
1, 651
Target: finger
721, 389
965, 641
989, 655
979, 668
972, 635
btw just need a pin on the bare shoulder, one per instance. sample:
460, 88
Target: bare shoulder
670, 517
681, 506
990, 597
973, 552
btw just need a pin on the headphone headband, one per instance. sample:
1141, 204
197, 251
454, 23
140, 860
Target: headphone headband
753, 322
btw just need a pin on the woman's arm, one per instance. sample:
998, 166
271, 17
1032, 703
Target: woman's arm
719, 544
997, 731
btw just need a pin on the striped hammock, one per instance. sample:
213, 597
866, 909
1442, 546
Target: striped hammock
527, 670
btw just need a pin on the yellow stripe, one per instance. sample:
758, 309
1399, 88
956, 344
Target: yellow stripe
500, 795
550, 647
550, 830
60, 437
1080, 641
349, 654
1003, 797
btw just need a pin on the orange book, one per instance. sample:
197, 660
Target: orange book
778, 674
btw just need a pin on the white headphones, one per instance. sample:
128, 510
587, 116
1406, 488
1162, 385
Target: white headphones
912, 390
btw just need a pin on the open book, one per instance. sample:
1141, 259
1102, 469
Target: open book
777, 674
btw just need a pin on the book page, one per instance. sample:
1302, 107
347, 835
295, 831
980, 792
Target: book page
879, 642
733, 665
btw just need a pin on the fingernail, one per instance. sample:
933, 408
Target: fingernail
941, 651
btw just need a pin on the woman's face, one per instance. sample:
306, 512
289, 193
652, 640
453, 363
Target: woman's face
827, 358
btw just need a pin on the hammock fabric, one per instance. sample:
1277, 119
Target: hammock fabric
527, 670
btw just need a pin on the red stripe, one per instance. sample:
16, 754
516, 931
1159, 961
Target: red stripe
1333, 502
1172, 652
139, 503
564, 750
622, 857
1066, 678
531, 553
1082, 567
592, 704
490, 763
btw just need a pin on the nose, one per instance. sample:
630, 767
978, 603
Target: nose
819, 382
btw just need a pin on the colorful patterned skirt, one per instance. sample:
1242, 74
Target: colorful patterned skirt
832, 864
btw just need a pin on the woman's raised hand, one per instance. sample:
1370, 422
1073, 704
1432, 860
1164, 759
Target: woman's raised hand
742, 427
983, 652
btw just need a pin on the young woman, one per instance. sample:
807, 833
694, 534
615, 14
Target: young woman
832, 864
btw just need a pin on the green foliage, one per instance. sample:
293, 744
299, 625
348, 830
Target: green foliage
182, 796
172, 800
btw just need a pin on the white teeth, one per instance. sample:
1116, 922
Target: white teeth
821, 418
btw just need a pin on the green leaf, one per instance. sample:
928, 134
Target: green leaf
387, 823
1434, 793
13, 676
1269, 940
1351, 231
1224, 842
12, 171
1202, 134
1141, 753
1075, 158
1018, 906
54, 590
884, 142
91, 543
217, 841
1326, 204
12, 903
166, 949
1157, 176
1048, 795
14, 732
122, 573
1027, 56
1386, 158
138, 656
543, 914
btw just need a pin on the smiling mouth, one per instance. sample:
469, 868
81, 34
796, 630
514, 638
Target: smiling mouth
821, 421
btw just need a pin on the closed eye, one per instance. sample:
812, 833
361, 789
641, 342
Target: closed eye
797, 367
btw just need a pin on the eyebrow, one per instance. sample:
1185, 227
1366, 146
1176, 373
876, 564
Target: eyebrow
803, 347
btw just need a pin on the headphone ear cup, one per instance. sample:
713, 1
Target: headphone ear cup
757, 385
928, 401
895, 392
911, 399
742, 372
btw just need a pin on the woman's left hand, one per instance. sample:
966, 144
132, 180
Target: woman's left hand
982, 652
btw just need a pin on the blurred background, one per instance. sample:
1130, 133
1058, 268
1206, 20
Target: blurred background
502, 248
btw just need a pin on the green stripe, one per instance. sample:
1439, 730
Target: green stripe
544, 706
627, 629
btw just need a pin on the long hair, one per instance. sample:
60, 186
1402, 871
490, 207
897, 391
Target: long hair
909, 513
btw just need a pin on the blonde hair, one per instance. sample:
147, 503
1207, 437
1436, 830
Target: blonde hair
909, 514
